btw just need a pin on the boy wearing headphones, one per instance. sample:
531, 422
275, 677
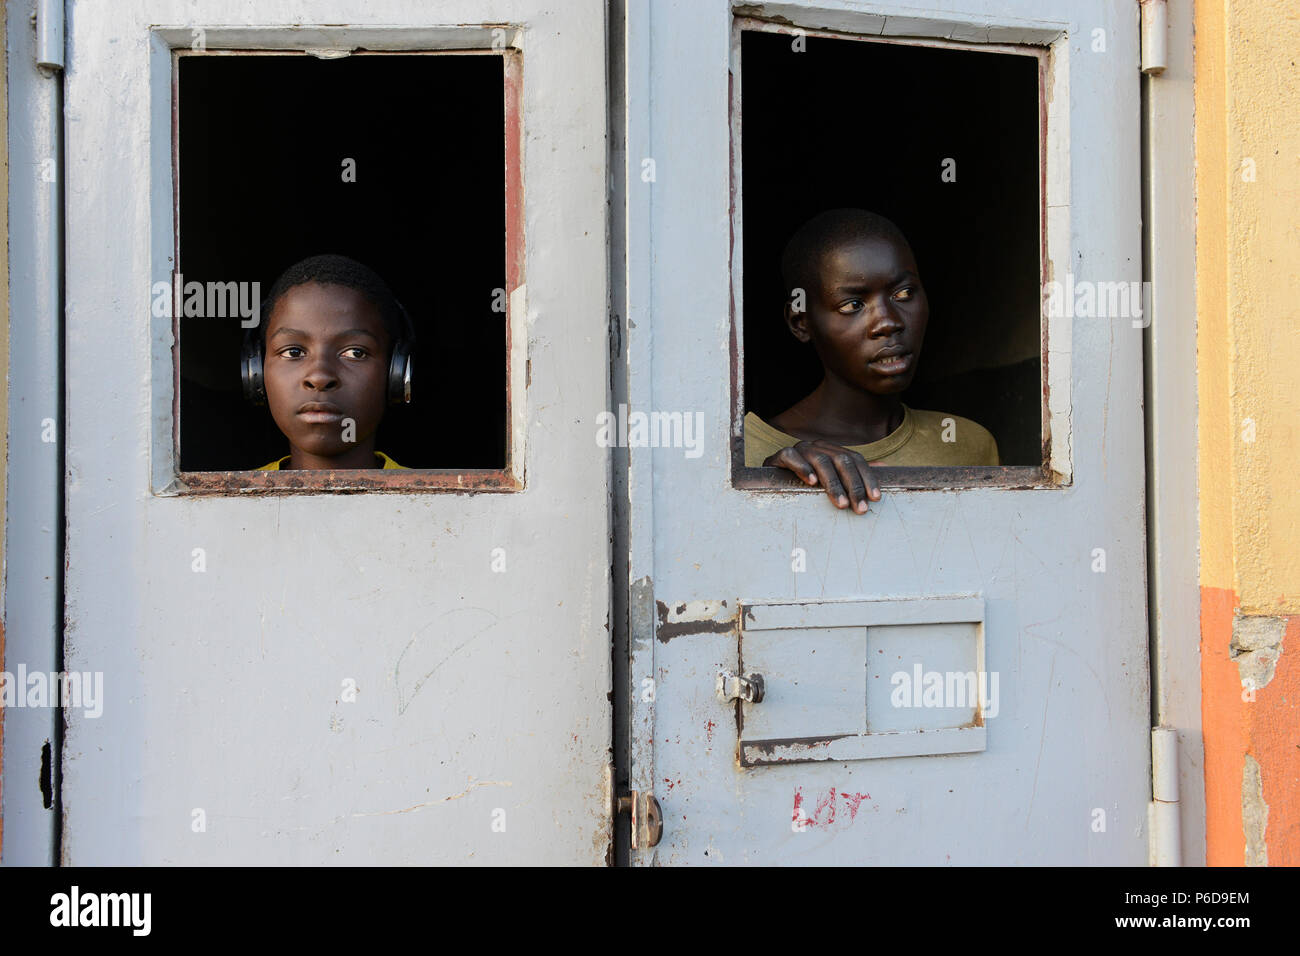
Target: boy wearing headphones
332, 350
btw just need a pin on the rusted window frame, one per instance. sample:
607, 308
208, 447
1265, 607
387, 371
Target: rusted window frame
509, 478
1055, 471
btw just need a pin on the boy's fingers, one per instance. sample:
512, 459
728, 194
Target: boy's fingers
869, 478
846, 463
843, 474
791, 460
825, 468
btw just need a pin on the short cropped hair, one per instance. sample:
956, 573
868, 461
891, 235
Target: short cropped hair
339, 270
826, 231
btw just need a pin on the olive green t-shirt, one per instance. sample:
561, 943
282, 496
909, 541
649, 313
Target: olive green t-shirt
919, 440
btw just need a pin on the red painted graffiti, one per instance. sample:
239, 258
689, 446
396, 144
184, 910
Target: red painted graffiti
824, 804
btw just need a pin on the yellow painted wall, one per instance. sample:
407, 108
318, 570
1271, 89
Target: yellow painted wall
1248, 346
1263, 297
1248, 287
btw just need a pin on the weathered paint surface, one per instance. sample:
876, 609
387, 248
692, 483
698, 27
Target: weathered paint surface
4, 352
1169, 227
1252, 764
1072, 735
229, 691
31, 604
1248, 280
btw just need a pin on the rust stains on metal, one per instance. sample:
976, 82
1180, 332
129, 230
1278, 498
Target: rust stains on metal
757, 753
757, 11
1046, 267
693, 617
911, 479
734, 345
346, 481
513, 68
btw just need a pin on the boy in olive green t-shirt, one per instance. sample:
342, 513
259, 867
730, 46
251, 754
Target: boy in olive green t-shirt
856, 296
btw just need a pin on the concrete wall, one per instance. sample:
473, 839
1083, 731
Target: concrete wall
1248, 283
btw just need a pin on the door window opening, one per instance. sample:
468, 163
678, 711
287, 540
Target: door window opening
407, 163
945, 140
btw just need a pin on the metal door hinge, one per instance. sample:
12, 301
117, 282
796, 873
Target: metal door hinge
1163, 816
647, 819
1154, 16
49, 34
733, 687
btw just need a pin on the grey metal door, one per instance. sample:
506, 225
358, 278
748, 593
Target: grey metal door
1034, 586
433, 686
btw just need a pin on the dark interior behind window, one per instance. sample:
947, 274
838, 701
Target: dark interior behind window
262, 140
853, 123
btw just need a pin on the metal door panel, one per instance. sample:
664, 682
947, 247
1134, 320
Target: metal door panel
1070, 737
481, 725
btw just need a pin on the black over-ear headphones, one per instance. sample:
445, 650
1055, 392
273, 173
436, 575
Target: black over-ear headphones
399, 367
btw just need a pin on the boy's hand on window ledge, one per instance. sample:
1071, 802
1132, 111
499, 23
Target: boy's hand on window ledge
846, 475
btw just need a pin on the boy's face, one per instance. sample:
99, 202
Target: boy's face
326, 363
867, 316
